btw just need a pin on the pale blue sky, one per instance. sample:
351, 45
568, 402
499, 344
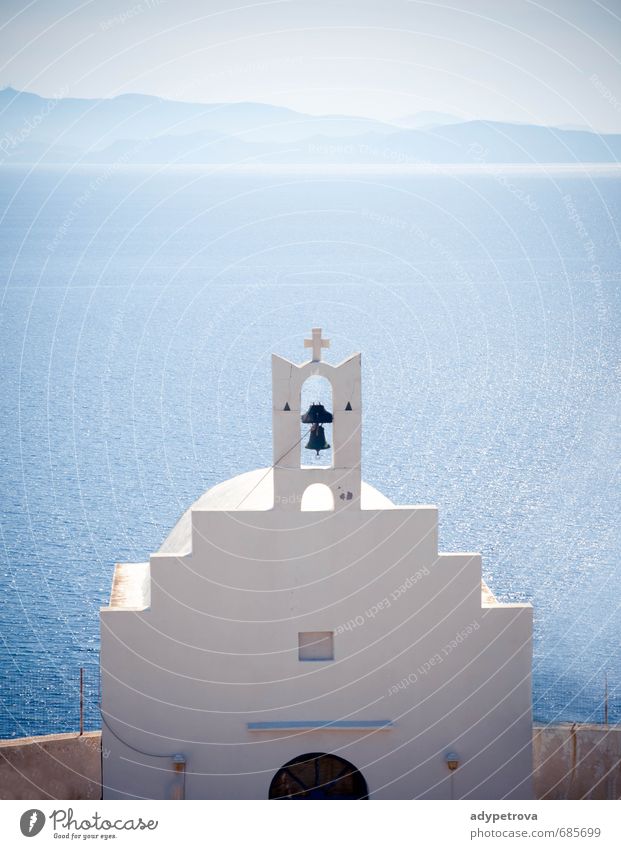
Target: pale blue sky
552, 62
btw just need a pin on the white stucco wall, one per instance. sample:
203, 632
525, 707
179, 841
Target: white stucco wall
217, 649
203, 641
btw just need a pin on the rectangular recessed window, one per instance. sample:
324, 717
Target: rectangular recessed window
316, 645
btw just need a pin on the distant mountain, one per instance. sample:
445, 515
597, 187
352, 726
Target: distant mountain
96, 124
579, 127
470, 143
141, 129
426, 120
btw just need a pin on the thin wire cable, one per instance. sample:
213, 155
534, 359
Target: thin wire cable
275, 463
141, 752
129, 745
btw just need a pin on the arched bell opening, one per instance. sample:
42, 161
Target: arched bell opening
316, 498
318, 775
316, 425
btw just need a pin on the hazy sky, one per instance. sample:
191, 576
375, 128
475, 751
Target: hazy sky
552, 62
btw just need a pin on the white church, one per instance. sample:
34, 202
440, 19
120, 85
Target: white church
299, 636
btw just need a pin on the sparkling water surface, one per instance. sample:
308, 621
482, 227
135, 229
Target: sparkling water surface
139, 311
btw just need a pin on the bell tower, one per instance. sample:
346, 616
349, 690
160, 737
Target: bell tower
343, 477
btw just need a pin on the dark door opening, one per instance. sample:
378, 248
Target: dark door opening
318, 776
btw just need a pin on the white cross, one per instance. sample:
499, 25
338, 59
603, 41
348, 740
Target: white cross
316, 343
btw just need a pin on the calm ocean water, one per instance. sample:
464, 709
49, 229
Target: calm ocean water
139, 311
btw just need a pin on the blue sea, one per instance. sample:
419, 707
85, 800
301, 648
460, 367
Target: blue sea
140, 307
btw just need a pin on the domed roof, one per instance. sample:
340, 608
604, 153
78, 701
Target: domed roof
255, 491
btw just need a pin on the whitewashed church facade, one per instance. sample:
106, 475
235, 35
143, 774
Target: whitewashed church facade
288, 642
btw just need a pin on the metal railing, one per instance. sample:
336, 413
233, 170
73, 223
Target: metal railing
560, 698
53, 701
49, 701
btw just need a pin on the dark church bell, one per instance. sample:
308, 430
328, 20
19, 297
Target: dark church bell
316, 416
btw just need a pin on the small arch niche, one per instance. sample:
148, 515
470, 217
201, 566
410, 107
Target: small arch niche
316, 390
317, 498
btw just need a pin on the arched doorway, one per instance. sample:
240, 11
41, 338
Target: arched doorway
318, 775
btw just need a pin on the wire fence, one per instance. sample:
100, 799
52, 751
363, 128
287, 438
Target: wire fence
44, 701
49, 701
558, 698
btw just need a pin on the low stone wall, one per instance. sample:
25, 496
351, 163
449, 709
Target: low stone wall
577, 761
570, 762
59, 766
